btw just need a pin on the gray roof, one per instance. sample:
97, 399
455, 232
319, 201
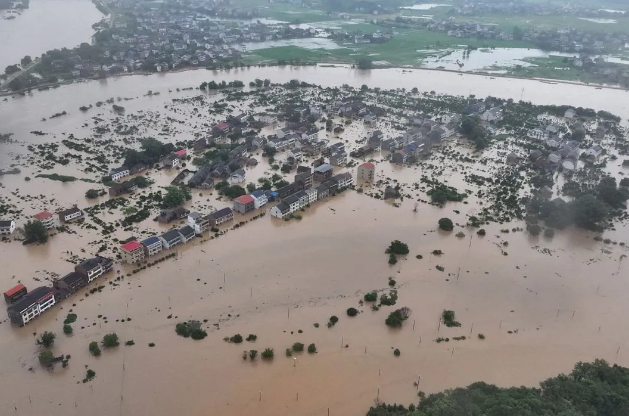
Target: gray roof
30, 298
171, 235
186, 230
221, 213
326, 167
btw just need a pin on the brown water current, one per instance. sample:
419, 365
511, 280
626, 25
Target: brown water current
542, 307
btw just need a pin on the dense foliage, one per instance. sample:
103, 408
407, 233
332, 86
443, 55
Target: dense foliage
397, 247
152, 152
446, 224
35, 231
175, 196
591, 389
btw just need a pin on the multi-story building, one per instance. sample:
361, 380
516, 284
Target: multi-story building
31, 305
221, 216
132, 252
70, 214
244, 204
7, 227
46, 218
366, 172
152, 246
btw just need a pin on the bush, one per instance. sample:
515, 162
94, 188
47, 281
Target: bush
252, 337
67, 329
268, 354
312, 349
45, 357
334, 319
298, 347
253, 354
392, 259
398, 316
151, 344
437, 252
236, 339
35, 231
371, 296
397, 247
182, 329
534, 229
70, 318
198, 334
110, 340
449, 319
390, 299
289, 352
481, 336
481, 232
92, 194
392, 282
396, 352
129, 343
460, 234
89, 375
352, 312
46, 339
549, 232
94, 349
446, 224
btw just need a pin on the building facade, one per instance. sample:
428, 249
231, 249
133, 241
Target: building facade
132, 252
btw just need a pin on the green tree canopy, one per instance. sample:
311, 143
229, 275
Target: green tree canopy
35, 231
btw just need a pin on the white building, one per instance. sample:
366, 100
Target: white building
119, 173
46, 218
152, 246
259, 199
7, 227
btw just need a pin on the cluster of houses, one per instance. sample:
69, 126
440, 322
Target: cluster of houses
7, 227
24, 306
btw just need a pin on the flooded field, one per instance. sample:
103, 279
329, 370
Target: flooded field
46, 25
485, 58
542, 304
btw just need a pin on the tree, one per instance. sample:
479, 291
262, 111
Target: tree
517, 33
94, 349
175, 196
398, 316
364, 63
35, 231
110, 340
397, 247
298, 347
67, 329
534, 229
371, 296
253, 354
92, 194
449, 319
268, 354
12, 69
141, 182
446, 224
251, 187
182, 329
46, 339
312, 349
472, 128
328, 125
352, 312
589, 212
46, 357
198, 334
609, 193
236, 339
26, 61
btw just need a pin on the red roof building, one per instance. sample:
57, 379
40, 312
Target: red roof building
366, 172
244, 204
46, 218
181, 153
132, 252
224, 127
43, 215
15, 293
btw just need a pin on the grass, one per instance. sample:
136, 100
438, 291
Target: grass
57, 177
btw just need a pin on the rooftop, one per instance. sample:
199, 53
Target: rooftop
150, 240
222, 212
131, 245
367, 165
31, 298
326, 167
14, 290
245, 199
42, 215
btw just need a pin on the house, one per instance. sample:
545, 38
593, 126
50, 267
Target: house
125, 187
594, 152
323, 191
344, 180
281, 133
152, 246
287, 190
132, 252
46, 218
390, 145
375, 141
305, 177
310, 135
493, 114
296, 201
570, 113
221, 216
170, 239
31, 305
512, 159
7, 227
200, 223
12, 295
187, 233
280, 210
237, 177
398, 158
267, 118
366, 172
200, 144
171, 161
244, 204
537, 134
312, 195
202, 179
119, 173
323, 172
70, 214
222, 128
338, 159
94, 267
71, 282
168, 216
260, 198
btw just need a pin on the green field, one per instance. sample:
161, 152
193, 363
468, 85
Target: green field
507, 23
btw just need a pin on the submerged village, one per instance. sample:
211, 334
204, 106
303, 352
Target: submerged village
159, 183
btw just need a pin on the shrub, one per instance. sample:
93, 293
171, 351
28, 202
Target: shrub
440, 268
352, 312
534, 229
419, 257
549, 232
289, 352
110, 340
449, 319
481, 336
252, 337
92, 194
312, 349
397, 247
45, 357
198, 334
316, 325
46, 339
392, 282
182, 329
268, 354
70, 318
446, 224
94, 349
67, 329
437, 252
298, 347
392, 259
253, 354
89, 375
129, 343
371, 296
390, 299
396, 352
151, 344
481, 232
398, 316
334, 319
460, 234
236, 339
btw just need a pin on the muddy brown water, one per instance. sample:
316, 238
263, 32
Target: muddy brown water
273, 277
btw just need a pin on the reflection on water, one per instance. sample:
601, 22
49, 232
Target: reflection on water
599, 20
46, 25
484, 58
309, 43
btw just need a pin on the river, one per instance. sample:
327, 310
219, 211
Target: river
46, 25
546, 305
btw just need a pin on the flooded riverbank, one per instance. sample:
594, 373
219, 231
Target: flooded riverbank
545, 305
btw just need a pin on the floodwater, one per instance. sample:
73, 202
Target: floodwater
486, 58
309, 43
542, 307
46, 25
599, 20
426, 6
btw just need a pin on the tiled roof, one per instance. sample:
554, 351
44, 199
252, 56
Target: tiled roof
43, 215
131, 245
14, 290
367, 165
245, 199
